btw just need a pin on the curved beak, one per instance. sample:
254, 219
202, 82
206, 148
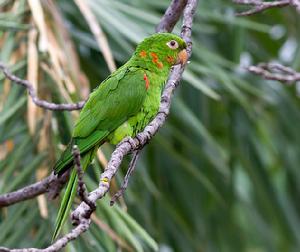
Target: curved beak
182, 57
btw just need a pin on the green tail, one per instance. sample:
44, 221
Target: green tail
70, 193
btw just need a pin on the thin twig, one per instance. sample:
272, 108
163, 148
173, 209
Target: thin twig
129, 172
275, 71
271, 71
32, 93
82, 190
260, 6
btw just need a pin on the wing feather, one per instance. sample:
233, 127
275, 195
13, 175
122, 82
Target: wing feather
119, 97
113, 102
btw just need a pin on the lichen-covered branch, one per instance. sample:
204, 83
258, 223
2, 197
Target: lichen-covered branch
59, 244
260, 6
83, 212
271, 71
171, 16
51, 184
82, 190
275, 71
32, 93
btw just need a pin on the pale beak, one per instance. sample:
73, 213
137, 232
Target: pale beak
182, 57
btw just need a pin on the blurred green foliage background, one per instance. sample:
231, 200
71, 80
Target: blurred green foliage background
222, 174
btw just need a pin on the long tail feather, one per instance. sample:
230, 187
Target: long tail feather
70, 194
66, 204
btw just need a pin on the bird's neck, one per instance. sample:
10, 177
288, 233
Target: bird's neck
151, 62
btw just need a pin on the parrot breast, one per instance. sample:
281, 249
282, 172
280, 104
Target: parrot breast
154, 84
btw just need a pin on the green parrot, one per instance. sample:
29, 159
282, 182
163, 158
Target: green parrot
120, 107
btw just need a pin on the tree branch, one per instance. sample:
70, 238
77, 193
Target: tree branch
260, 6
271, 71
59, 244
275, 71
83, 212
32, 93
51, 184
171, 16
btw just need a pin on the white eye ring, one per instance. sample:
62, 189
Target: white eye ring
173, 44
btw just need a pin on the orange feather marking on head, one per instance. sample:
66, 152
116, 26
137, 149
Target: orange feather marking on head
143, 54
160, 64
147, 83
155, 60
154, 55
170, 59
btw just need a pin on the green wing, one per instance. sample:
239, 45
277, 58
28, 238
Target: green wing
119, 97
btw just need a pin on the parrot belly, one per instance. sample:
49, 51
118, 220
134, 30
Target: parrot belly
138, 122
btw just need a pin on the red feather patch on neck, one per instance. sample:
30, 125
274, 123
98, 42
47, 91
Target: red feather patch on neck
147, 83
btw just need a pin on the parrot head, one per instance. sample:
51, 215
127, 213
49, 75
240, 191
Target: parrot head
161, 51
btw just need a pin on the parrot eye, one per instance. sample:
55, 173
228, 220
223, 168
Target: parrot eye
172, 44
